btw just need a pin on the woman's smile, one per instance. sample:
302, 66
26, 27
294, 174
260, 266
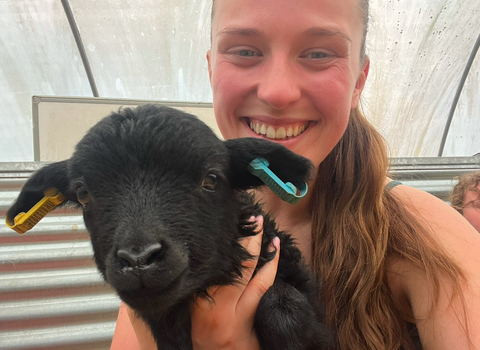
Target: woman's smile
280, 131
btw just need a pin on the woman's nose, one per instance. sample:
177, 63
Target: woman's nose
279, 85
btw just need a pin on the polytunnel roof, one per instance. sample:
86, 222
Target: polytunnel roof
150, 49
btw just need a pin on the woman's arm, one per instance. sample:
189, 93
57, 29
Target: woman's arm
443, 326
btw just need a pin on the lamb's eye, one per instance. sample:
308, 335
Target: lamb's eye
209, 182
83, 196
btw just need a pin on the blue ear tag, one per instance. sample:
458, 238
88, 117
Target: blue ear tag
286, 191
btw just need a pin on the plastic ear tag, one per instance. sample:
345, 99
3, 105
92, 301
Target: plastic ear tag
286, 191
26, 221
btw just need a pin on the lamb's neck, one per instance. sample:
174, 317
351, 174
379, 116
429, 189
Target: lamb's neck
172, 328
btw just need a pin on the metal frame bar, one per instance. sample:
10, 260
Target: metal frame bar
35, 130
457, 95
80, 46
114, 101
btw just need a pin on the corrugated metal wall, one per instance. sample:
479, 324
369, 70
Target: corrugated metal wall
51, 296
435, 175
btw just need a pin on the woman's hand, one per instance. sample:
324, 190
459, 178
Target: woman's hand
227, 323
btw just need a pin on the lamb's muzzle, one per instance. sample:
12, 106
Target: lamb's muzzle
144, 258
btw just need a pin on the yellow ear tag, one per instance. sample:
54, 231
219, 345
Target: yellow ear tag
26, 221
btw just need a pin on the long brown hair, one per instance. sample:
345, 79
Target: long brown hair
356, 225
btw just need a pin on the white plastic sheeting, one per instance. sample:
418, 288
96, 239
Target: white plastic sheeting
37, 55
147, 49
419, 50
155, 49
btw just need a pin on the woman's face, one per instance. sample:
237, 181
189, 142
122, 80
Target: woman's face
287, 70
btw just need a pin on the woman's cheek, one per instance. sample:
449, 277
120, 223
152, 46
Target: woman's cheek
332, 93
227, 95
228, 82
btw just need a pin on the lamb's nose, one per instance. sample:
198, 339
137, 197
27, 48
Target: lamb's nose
144, 258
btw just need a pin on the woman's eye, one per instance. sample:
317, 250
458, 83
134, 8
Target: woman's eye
246, 53
317, 55
83, 196
209, 182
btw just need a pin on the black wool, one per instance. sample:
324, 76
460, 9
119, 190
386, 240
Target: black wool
165, 203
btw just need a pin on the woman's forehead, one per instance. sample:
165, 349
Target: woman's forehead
349, 7
263, 15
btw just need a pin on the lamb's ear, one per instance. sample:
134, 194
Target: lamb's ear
288, 166
54, 175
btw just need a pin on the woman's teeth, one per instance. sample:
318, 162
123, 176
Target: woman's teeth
279, 133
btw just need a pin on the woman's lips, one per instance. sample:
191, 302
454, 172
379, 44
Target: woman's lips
278, 132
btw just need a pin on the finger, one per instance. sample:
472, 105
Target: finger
262, 281
253, 245
252, 222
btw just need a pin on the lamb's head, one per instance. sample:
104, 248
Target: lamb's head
159, 193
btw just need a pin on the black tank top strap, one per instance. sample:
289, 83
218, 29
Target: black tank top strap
392, 184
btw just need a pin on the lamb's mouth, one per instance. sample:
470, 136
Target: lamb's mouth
277, 132
146, 296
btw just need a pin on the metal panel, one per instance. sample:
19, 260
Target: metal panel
75, 115
52, 297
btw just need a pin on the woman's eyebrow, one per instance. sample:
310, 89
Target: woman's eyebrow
314, 31
322, 31
240, 31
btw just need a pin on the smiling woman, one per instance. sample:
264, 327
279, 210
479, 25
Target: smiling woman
398, 268
287, 74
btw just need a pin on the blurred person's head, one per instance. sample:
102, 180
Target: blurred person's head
465, 198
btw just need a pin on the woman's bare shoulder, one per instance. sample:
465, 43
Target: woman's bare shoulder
447, 226
413, 291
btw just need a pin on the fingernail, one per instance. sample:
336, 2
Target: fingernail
251, 219
259, 223
276, 243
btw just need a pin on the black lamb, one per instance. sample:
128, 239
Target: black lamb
165, 203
